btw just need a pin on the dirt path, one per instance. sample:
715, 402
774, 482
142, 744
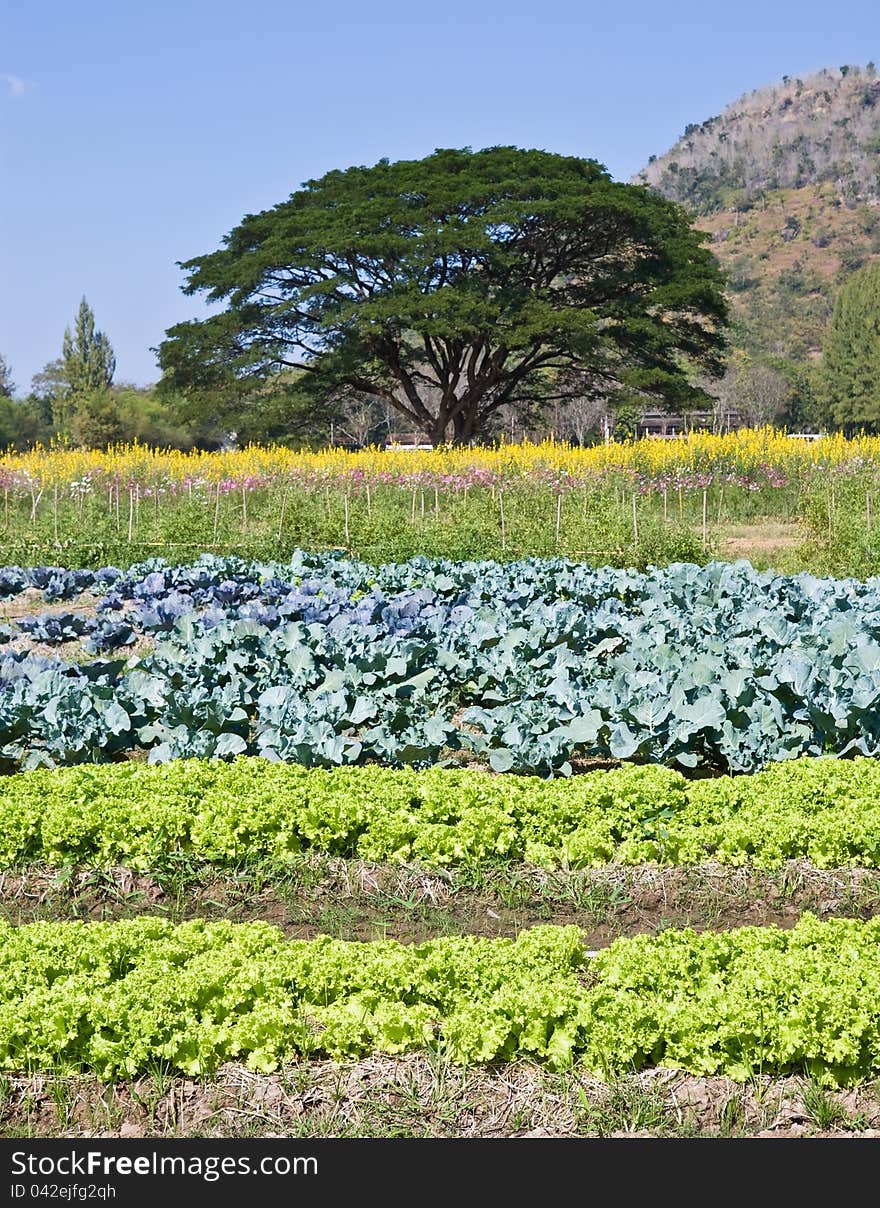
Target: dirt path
354, 900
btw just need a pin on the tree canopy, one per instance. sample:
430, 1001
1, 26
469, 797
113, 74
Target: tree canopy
848, 387
452, 286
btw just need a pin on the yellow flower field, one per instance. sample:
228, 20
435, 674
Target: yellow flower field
742, 452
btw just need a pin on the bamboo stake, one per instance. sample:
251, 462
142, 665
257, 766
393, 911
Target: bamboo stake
558, 515
868, 517
680, 503
55, 509
281, 517
117, 508
130, 512
244, 507
705, 536
347, 533
422, 494
436, 502
503, 528
6, 505
665, 505
635, 522
369, 503
720, 503
216, 516
413, 517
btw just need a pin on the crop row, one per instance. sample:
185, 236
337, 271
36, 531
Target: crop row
123, 997
825, 810
328, 661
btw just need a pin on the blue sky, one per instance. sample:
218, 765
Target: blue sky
133, 136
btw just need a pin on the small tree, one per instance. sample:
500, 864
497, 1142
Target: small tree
848, 381
7, 386
454, 286
87, 366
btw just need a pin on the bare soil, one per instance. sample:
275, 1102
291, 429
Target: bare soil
762, 542
415, 1095
355, 900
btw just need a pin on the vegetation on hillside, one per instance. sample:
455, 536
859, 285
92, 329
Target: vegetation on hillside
786, 182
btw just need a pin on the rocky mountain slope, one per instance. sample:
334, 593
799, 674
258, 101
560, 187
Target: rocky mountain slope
786, 181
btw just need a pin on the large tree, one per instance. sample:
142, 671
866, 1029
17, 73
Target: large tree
452, 286
848, 382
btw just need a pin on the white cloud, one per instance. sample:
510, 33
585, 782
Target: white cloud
15, 85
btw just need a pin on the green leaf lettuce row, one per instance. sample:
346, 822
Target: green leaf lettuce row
825, 810
118, 997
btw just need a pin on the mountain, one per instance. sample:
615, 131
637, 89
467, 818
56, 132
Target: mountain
801, 132
786, 182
